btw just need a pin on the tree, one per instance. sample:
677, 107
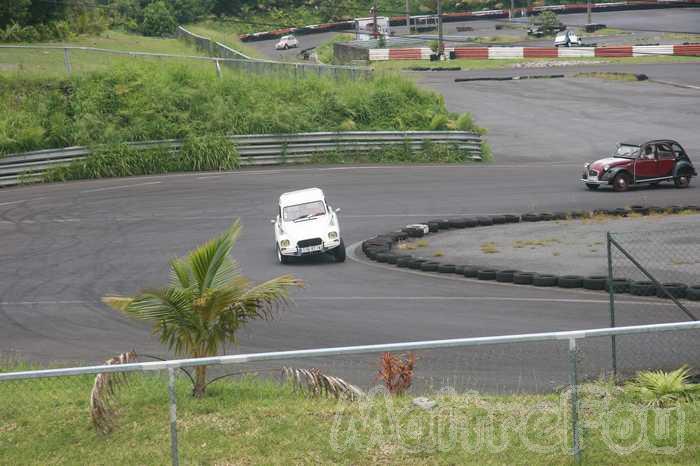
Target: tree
206, 302
548, 21
158, 20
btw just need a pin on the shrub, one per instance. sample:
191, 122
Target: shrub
158, 20
662, 389
439, 122
396, 373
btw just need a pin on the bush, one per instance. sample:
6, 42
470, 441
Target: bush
158, 20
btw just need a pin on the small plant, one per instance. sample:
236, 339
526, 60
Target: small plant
662, 389
316, 383
438, 253
489, 248
396, 373
422, 243
407, 246
103, 391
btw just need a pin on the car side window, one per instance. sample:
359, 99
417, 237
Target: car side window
677, 151
648, 153
663, 152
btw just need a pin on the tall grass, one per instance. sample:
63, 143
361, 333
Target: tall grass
137, 102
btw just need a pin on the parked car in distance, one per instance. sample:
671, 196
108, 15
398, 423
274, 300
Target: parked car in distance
307, 225
641, 162
567, 39
287, 42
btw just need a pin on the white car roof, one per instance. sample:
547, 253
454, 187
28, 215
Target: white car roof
301, 196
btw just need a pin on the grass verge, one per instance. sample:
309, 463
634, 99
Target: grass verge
325, 51
223, 32
254, 421
609, 76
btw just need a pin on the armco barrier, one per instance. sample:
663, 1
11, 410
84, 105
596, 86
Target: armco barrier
495, 53
257, 149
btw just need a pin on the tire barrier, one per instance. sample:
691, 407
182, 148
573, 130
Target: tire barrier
379, 249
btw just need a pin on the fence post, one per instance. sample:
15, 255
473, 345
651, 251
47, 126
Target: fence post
66, 60
173, 417
574, 401
218, 69
611, 292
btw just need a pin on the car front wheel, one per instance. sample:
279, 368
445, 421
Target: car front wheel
281, 258
621, 182
592, 186
682, 181
339, 252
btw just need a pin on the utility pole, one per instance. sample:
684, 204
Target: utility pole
588, 10
408, 17
374, 19
439, 13
512, 5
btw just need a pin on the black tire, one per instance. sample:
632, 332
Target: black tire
621, 182
458, 223
641, 288
416, 264
392, 259
592, 186
470, 271
523, 278
470, 223
429, 266
446, 268
484, 221
677, 290
433, 227
404, 262
506, 276
486, 274
498, 219
578, 214
531, 217
620, 212
595, 282
281, 258
693, 293
512, 218
570, 281
682, 180
621, 285
443, 224
459, 269
415, 232
546, 217
560, 215
544, 280
381, 257
640, 209
674, 209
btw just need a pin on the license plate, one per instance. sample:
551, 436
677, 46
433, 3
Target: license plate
310, 249
592, 178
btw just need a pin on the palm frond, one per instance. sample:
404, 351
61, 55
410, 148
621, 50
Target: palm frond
120, 303
208, 259
315, 383
103, 391
263, 300
661, 389
180, 273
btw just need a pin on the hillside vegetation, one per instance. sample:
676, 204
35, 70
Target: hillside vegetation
137, 102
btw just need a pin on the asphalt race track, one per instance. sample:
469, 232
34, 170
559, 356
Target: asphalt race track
66, 245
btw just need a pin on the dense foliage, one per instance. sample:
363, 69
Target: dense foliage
146, 102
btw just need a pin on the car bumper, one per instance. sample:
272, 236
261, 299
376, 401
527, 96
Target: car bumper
325, 247
589, 181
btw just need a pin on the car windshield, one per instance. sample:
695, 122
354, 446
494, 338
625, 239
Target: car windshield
301, 211
627, 151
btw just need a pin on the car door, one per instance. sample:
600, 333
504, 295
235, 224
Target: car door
645, 167
666, 160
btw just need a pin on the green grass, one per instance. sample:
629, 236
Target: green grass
475, 64
325, 50
253, 421
50, 63
608, 76
223, 32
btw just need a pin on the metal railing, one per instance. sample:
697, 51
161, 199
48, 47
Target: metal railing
222, 56
257, 149
572, 337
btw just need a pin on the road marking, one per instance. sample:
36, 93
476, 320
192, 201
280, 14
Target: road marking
478, 298
37, 303
22, 200
125, 186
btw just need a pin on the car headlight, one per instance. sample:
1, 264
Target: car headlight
606, 168
284, 243
586, 165
332, 235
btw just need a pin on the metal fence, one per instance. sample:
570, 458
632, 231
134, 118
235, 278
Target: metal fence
68, 60
259, 149
570, 358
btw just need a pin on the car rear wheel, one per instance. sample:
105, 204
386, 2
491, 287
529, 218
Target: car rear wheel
682, 181
281, 258
621, 182
592, 186
339, 252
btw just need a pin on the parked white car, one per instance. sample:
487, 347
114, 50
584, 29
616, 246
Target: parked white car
286, 42
307, 225
567, 39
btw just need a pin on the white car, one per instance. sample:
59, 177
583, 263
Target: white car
567, 39
307, 225
286, 42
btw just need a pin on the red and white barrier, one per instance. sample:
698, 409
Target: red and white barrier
496, 53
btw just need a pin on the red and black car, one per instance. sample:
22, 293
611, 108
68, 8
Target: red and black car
641, 162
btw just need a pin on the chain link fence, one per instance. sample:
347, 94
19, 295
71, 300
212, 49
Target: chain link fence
251, 410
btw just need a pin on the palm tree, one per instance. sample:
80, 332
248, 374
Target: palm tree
206, 302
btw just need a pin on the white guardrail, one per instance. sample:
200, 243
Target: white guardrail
255, 150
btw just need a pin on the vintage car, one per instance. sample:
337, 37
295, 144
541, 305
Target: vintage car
641, 162
306, 225
286, 42
567, 39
